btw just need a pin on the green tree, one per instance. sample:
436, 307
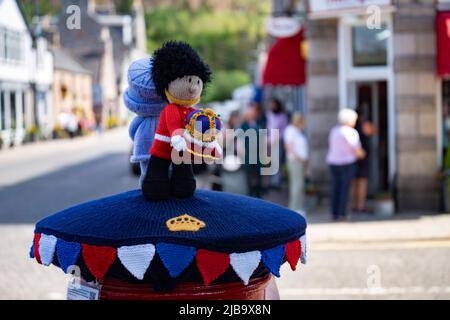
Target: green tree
124, 6
223, 84
226, 39
41, 7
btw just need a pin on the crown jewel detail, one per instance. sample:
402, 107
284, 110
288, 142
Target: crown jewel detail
185, 223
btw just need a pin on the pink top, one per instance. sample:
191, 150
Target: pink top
276, 121
343, 142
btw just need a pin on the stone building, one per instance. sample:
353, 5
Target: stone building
380, 56
72, 89
105, 43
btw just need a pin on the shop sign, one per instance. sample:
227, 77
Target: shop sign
283, 27
322, 6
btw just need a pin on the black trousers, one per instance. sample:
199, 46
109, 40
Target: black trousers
341, 177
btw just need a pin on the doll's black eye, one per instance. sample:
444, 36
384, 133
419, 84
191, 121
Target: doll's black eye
198, 81
190, 80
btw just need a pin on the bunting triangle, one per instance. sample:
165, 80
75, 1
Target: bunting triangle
244, 264
67, 253
32, 250
37, 238
47, 245
293, 251
175, 258
273, 258
98, 259
212, 264
303, 256
136, 259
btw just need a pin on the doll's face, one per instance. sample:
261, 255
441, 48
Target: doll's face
186, 88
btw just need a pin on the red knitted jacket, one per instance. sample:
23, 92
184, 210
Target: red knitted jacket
172, 117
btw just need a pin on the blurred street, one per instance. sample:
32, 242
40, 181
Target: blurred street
403, 257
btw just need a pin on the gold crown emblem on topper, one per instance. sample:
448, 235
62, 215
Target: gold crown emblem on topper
185, 223
211, 134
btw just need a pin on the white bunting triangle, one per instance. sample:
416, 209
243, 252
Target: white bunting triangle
136, 258
47, 246
303, 257
244, 264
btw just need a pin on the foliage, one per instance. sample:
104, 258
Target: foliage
447, 159
41, 7
223, 83
226, 39
123, 6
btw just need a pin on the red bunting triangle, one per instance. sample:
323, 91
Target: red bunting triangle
37, 238
293, 252
212, 264
98, 259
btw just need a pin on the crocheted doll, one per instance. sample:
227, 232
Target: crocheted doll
142, 99
179, 75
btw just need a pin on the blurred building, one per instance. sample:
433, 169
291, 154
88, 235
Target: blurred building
381, 56
26, 70
105, 43
72, 89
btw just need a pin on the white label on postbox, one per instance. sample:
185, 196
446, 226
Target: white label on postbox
79, 291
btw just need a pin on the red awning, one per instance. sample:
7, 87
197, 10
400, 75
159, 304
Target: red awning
285, 64
443, 44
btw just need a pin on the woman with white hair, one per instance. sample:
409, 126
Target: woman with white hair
296, 147
344, 150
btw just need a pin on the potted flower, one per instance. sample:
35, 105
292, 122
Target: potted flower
384, 204
445, 182
31, 134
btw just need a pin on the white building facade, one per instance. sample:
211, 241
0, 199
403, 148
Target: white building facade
25, 77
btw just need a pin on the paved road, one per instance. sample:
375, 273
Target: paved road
37, 180
408, 258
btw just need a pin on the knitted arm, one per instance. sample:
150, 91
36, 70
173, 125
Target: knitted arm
173, 120
134, 125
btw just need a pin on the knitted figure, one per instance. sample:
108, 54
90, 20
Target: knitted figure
142, 99
179, 75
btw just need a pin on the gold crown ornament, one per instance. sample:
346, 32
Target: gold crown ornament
185, 223
211, 134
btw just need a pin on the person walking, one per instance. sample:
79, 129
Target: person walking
296, 146
277, 119
343, 151
254, 120
366, 131
232, 172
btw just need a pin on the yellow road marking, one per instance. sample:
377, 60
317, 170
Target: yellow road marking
378, 245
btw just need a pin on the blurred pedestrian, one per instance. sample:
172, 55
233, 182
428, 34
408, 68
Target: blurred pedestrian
297, 152
366, 131
72, 125
344, 150
277, 119
233, 174
254, 120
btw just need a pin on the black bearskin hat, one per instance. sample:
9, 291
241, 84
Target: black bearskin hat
176, 59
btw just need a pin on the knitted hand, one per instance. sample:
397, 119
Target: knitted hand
218, 148
178, 143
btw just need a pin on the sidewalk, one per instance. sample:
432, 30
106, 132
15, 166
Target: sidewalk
367, 229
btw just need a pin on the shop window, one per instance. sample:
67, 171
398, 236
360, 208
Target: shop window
2, 111
369, 46
2, 43
14, 50
63, 91
12, 97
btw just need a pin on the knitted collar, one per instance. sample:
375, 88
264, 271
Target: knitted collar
181, 102
143, 108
